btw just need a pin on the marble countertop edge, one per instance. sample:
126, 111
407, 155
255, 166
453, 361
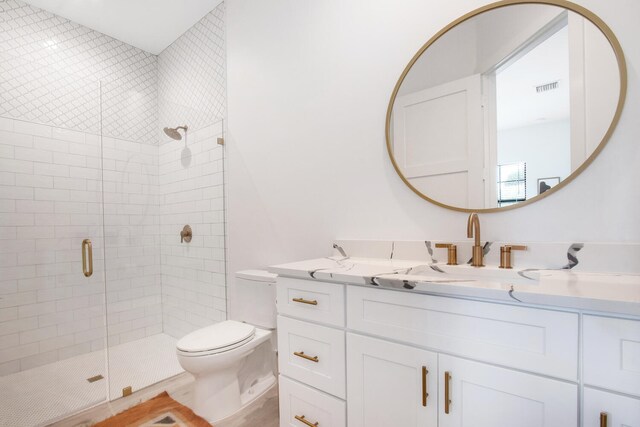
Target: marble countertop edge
597, 292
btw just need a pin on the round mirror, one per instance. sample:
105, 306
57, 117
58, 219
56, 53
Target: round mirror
506, 105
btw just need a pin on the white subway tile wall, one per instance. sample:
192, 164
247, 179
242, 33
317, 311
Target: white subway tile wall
51, 199
191, 192
132, 240
48, 310
192, 91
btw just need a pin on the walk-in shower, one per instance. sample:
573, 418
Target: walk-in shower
96, 286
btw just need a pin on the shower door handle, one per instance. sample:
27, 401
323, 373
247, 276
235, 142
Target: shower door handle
87, 258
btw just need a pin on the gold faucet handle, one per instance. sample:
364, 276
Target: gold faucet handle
505, 254
452, 252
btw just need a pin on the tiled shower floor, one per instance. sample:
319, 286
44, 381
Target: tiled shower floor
43, 394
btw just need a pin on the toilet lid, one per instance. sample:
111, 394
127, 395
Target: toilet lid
217, 336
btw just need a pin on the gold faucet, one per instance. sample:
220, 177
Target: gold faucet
474, 222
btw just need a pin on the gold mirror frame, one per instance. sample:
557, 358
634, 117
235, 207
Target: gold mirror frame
622, 67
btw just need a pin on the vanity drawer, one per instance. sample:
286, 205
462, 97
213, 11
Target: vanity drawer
310, 300
312, 354
612, 353
534, 340
299, 400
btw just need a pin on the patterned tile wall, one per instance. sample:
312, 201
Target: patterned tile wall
51, 68
192, 75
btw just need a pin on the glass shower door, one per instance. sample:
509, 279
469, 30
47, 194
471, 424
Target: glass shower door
52, 288
139, 352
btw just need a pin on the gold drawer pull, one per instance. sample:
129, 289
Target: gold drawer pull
304, 356
424, 386
305, 301
302, 419
603, 419
447, 399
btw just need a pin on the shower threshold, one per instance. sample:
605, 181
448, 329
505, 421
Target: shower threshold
44, 394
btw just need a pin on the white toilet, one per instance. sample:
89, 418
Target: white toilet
233, 362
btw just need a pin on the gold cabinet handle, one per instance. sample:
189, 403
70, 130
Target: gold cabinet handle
305, 301
603, 419
447, 399
452, 252
303, 420
304, 356
87, 251
425, 371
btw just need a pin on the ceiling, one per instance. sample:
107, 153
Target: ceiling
150, 25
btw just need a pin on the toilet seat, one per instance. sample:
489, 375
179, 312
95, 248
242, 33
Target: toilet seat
217, 338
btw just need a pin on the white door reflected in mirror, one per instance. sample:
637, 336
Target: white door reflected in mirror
505, 105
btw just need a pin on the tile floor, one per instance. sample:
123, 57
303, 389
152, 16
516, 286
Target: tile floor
46, 393
142, 363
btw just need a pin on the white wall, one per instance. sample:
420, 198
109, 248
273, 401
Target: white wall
308, 88
602, 85
545, 147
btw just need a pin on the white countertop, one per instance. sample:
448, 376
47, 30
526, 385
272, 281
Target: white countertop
602, 292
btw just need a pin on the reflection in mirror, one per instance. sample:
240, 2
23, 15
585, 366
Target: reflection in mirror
504, 106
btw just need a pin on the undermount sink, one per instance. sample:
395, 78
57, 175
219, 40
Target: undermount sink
493, 273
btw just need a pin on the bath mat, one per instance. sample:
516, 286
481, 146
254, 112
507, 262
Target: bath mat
161, 411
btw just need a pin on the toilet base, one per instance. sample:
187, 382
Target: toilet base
227, 381
260, 388
217, 395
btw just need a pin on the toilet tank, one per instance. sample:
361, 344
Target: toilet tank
256, 298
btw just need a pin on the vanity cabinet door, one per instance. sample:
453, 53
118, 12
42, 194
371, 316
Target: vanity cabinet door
481, 395
612, 354
385, 384
620, 411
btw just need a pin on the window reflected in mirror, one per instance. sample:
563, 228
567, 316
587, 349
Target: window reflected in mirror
512, 183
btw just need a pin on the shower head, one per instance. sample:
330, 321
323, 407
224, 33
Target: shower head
173, 132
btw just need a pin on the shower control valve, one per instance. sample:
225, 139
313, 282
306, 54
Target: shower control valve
186, 234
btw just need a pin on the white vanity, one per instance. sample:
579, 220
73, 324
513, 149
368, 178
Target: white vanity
358, 348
